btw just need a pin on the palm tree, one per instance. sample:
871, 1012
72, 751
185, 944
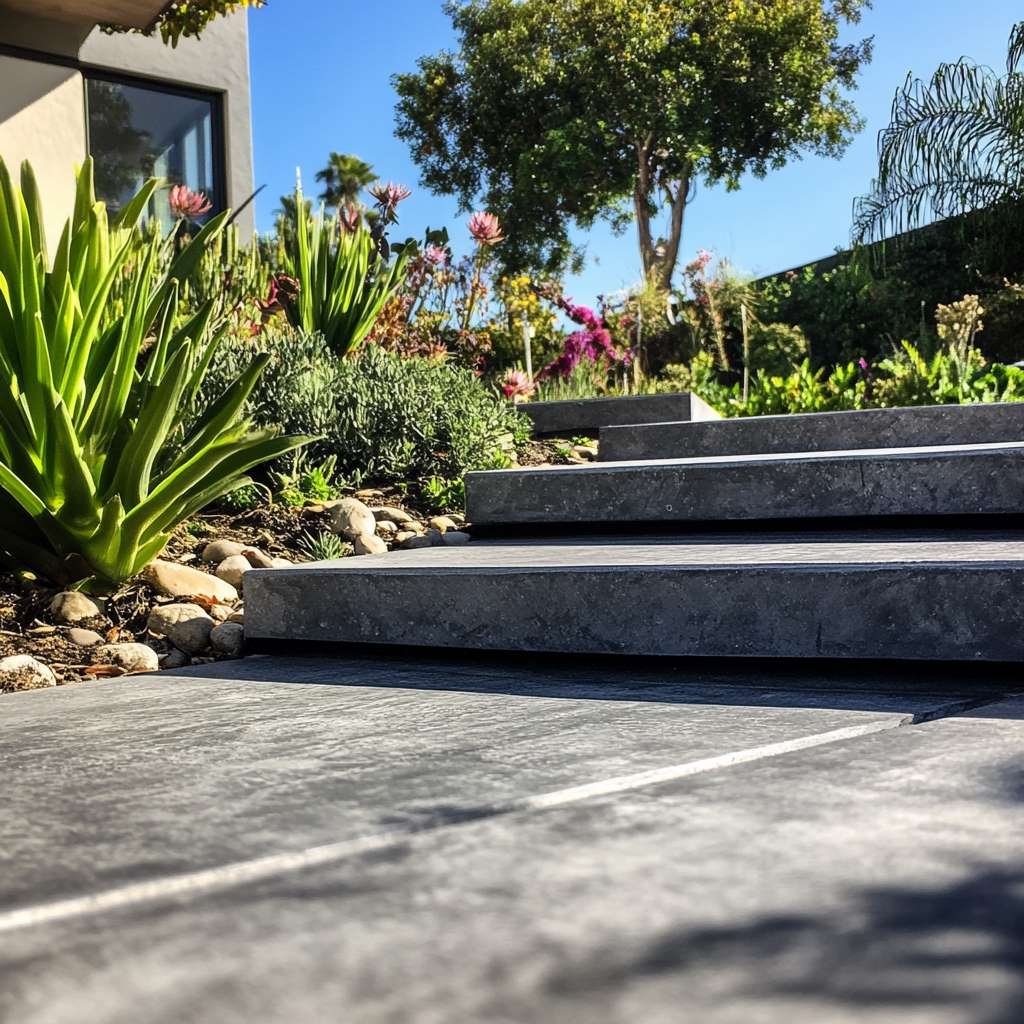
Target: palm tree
343, 179
955, 144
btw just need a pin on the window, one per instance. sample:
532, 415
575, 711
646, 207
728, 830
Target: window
139, 131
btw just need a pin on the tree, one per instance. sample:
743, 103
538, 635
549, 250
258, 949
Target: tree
343, 179
557, 114
189, 17
955, 144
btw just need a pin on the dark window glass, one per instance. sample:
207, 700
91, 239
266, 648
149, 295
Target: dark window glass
137, 133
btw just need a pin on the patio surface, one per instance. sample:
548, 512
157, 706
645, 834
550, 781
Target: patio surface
313, 839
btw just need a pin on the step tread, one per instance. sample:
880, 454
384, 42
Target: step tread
707, 552
933, 481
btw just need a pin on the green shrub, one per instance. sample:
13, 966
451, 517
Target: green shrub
383, 417
96, 469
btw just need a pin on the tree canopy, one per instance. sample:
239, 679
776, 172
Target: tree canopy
558, 114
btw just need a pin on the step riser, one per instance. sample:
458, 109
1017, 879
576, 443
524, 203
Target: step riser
933, 612
813, 432
919, 486
586, 417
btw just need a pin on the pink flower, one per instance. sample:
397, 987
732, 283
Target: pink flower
485, 229
186, 204
517, 386
436, 256
351, 217
388, 197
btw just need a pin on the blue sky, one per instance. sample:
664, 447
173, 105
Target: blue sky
321, 80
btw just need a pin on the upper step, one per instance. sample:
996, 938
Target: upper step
814, 432
908, 596
959, 480
587, 416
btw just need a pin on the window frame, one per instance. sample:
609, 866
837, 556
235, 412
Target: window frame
218, 130
218, 140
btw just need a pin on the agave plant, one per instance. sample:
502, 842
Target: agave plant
96, 468
345, 280
955, 144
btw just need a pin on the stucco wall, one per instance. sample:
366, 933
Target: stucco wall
219, 62
42, 119
50, 126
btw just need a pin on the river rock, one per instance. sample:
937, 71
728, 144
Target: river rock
456, 538
23, 672
174, 659
351, 518
187, 626
370, 544
217, 550
389, 514
130, 657
440, 523
386, 528
228, 638
69, 607
232, 569
84, 637
183, 581
257, 559
282, 563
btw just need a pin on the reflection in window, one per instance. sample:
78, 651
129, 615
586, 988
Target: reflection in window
137, 133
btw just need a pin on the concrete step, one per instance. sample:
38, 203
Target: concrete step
900, 595
586, 416
958, 480
813, 432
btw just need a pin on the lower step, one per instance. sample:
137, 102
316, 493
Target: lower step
964, 480
901, 596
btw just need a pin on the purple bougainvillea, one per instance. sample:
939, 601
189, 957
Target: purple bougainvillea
593, 342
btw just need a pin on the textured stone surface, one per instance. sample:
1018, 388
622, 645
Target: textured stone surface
860, 880
899, 595
589, 415
130, 657
23, 672
826, 431
916, 482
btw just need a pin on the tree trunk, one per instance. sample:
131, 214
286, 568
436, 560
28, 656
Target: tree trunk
667, 266
659, 267
641, 207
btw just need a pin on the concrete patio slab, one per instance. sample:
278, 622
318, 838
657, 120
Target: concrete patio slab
982, 423
931, 596
959, 480
589, 415
857, 881
137, 778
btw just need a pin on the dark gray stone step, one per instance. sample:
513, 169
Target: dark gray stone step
957, 597
961, 480
811, 432
586, 416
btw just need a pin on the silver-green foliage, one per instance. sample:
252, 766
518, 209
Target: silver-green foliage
96, 469
385, 418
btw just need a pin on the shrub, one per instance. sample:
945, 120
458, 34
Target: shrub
95, 468
385, 418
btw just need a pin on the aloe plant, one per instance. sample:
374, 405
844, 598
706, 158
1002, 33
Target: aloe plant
344, 279
96, 468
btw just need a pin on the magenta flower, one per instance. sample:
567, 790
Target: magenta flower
351, 217
436, 256
517, 386
485, 229
186, 204
388, 197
